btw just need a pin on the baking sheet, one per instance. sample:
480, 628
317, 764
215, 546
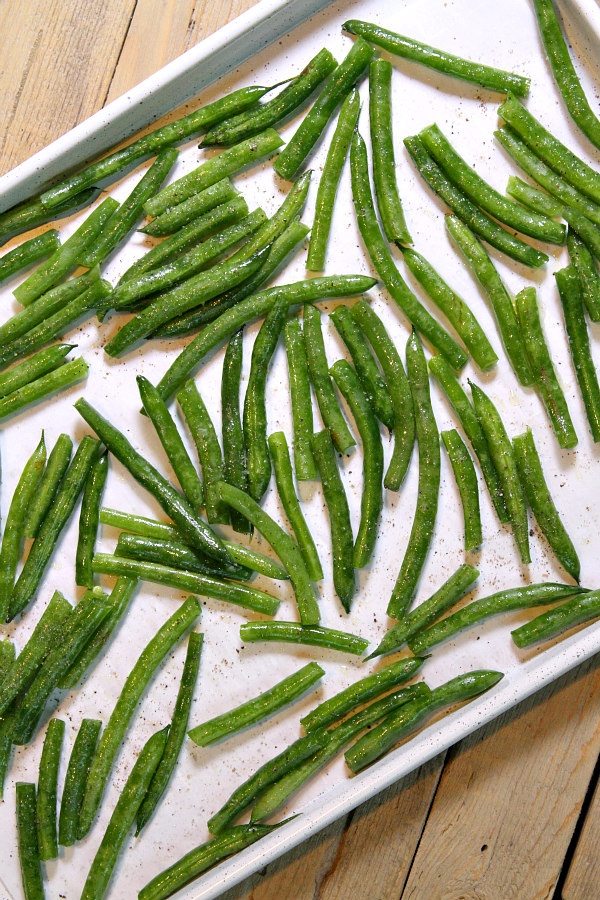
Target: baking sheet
231, 673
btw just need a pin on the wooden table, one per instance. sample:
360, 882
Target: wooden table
512, 812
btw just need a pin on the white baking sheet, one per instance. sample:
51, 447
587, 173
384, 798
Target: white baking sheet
231, 673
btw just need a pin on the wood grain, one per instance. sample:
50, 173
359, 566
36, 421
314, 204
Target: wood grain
582, 880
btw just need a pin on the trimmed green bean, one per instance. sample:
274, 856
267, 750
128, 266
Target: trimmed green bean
454, 66
503, 457
329, 181
347, 700
229, 162
66, 258
36, 248
533, 198
52, 525
342, 541
30, 214
383, 262
546, 381
466, 482
300, 396
34, 367
576, 611
47, 789
447, 596
428, 442
284, 479
27, 840
177, 732
336, 88
167, 636
524, 597
14, 530
579, 345
253, 121
207, 446
540, 500
91, 502
234, 449
311, 635
176, 555
58, 380
400, 723
589, 279
196, 532
259, 708
218, 205
123, 816
372, 491
78, 768
455, 309
52, 476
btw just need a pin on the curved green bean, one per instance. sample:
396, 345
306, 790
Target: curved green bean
300, 397
428, 442
218, 205
466, 482
312, 635
27, 842
78, 768
234, 448
589, 279
91, 502
176, 555
207, 446
47, 789
30, 214
586, 230
52, 476
36, 248
533, 198
576, 611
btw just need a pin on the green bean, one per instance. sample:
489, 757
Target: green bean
207, 446
66, 258
400, 723
372, 491
576, 611
329, 181
197, 861
466, 482
455, 309
52, 525
541, 503
454, 66
6, 746
428, 442
118, 601
589, 280
81, 625
29, 852
342, 541
56, 324
193, 529
177, 732
14, 531
470, 214
172, 443
547, 383
284, 546
259, 708
59, 380
447, 596
284, 478
176, 272
586, 230
243, 556
579, 345
234, 449
549, 149
383, 262
503, 457
308, 291
219, 204
483, 195
372, 382
174, 554
7, 658
336, 88
531, 163
44, 637
47, 789
52, 476
302, 416
36, 248
167, 636
30, 214
80, 761
398, 388
191, 293
523, 597
271, 771
281, 247
531, 197
91, 502
229, 162
461, 404
347, 700
500, 300
34, 367
311, 635
253, 121
123, 816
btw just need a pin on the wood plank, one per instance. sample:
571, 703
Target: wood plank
583, 877
58, 61
509, 798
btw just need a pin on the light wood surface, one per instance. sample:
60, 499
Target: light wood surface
509, 813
